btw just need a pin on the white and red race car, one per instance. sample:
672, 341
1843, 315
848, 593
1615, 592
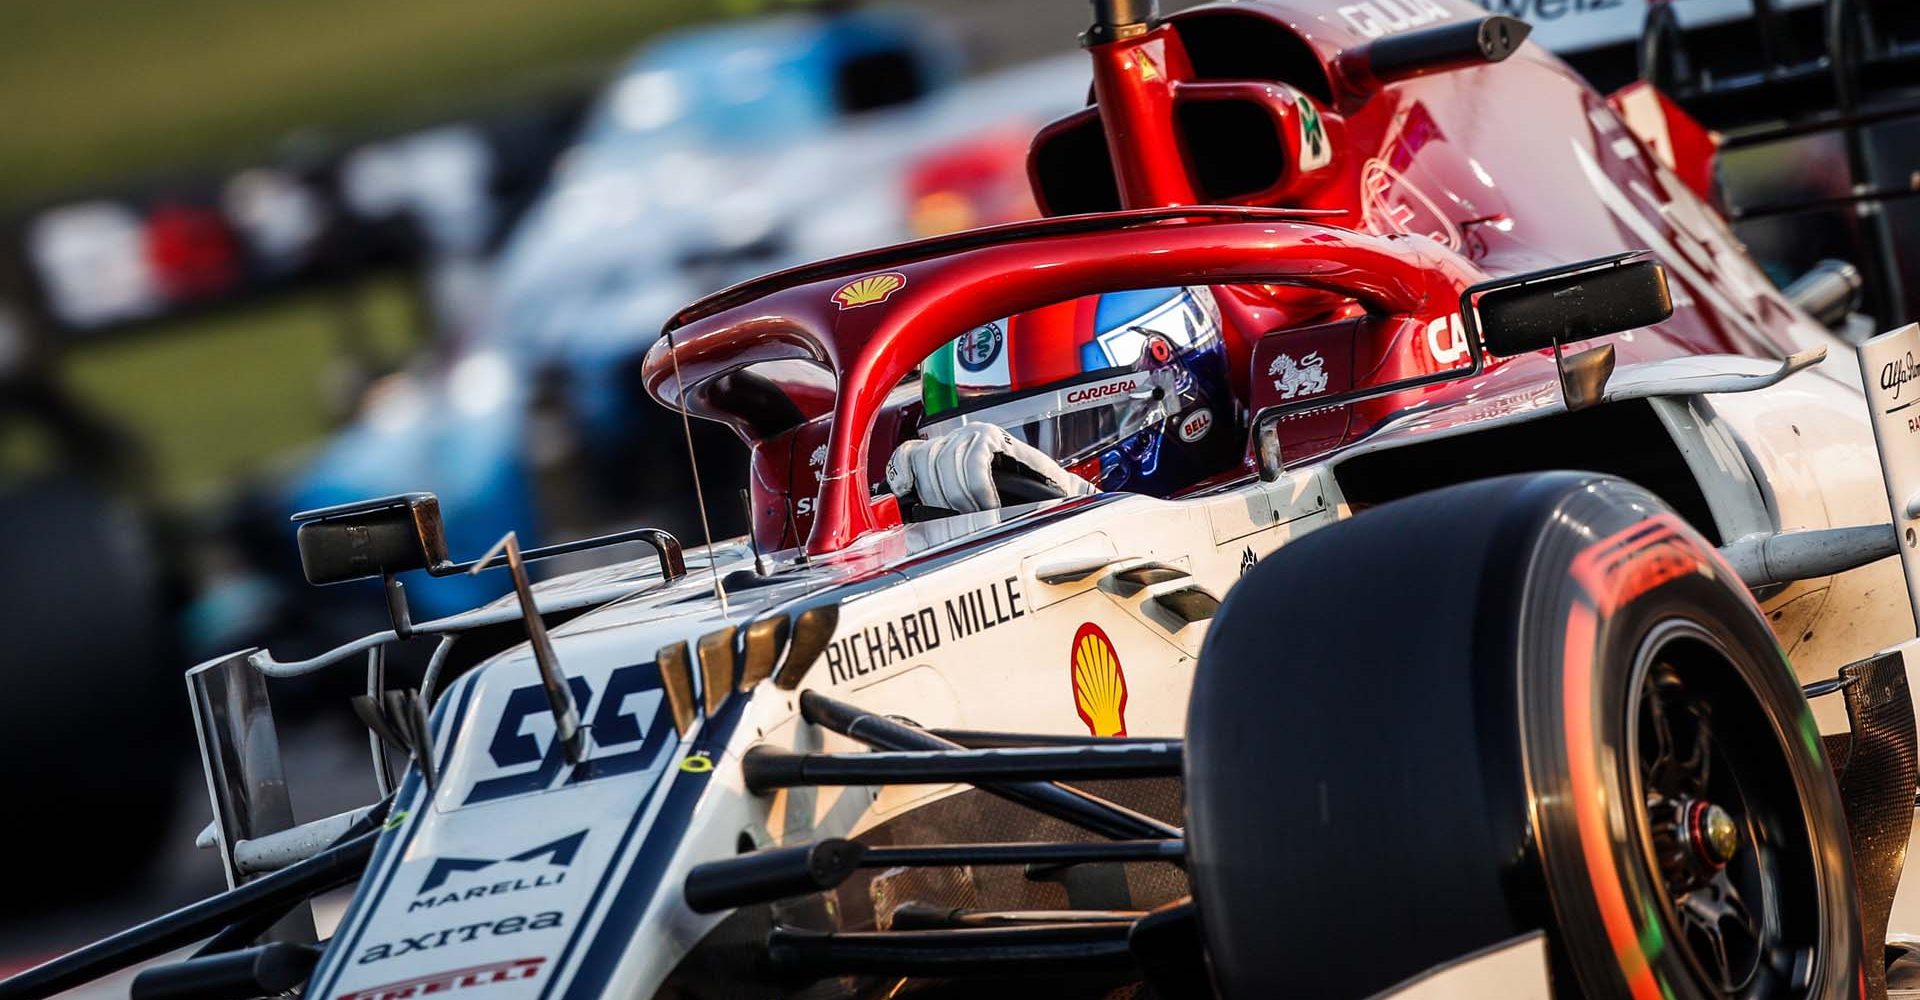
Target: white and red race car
1547, 635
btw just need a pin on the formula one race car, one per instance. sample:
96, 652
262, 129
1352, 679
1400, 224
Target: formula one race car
1275, 649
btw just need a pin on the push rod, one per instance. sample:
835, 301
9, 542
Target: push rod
766, 768
1062, 802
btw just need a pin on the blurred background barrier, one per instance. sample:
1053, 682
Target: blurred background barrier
263, 257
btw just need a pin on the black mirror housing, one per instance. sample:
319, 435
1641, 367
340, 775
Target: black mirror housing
1533, 313
372, 538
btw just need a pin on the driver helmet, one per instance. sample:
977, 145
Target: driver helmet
1127, 390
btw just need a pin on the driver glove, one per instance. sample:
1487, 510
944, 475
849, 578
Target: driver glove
956, 470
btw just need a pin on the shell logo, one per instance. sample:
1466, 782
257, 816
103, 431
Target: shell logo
1099, 685
869, 290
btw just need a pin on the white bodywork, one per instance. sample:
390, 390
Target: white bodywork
565, 882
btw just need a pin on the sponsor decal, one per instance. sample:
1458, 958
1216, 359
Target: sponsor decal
1636, 559
697, 762
1447, 340
1391, 204
1895, 374
1195, 425
869, 290
558, 854
1548, 10
1886, 366
1247, 560
1315, 150
818, 457
453, 979
1305, 377
1099, 685
464, 934
1098, 392
1374, 18
873, 648
627, 728
978, 348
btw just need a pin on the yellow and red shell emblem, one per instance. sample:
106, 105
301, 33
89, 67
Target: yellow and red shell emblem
869, 290
1099, 685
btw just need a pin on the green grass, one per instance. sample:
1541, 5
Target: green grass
215, 398
93, 90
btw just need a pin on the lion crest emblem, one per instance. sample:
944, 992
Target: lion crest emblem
1304, 377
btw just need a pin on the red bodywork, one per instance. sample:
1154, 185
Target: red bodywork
1358, 250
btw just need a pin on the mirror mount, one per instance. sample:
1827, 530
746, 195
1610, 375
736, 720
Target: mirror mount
390, 535
1551, 308
387, 536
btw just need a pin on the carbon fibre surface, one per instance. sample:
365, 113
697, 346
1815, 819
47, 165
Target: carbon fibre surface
1877, 780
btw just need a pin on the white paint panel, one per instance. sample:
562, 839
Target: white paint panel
1516, 970
1576, 25
1890, 366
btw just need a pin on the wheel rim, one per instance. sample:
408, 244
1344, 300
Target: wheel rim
1721, 821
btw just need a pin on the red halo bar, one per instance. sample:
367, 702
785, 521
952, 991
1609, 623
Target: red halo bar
956, 283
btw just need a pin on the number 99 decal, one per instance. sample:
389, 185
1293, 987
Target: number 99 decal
627, 729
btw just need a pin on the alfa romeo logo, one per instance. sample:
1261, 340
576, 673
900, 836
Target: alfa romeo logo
979, 348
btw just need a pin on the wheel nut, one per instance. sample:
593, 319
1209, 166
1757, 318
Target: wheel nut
1714, 834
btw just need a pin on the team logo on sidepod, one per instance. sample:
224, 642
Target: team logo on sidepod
1304, 377
1099, 685
869, 290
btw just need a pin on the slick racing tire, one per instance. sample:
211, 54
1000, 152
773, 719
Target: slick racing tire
90, 726
1535, 703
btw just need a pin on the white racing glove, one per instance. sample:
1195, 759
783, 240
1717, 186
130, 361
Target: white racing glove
956, 470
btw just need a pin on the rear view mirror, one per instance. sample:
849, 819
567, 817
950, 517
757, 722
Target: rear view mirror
370, 538
1546, 309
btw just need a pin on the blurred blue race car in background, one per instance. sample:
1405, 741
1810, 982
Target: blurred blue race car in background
715, 154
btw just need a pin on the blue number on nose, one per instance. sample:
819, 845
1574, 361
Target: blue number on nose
513, 748
615, 726
631, 710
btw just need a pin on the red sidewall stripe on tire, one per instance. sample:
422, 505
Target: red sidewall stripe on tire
1614, 571
1626, 564
1590, 808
